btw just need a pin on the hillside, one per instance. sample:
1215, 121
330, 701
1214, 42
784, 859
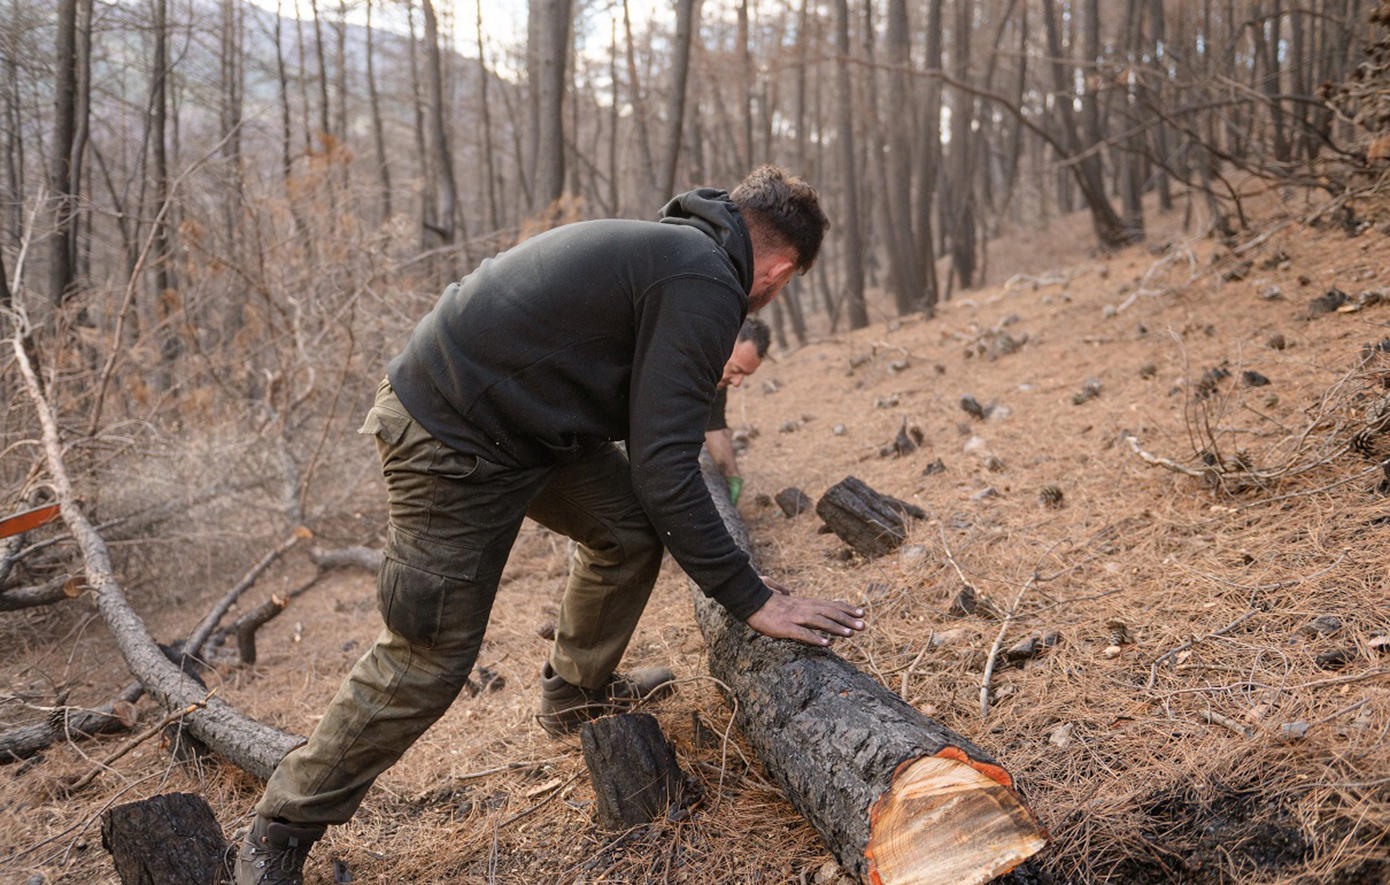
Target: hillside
1168, 473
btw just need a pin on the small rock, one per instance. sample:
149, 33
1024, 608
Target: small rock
793, 502
1294, 731
964, 603
936, 466
1148, 370
887, 402
1322, 625
1023, 650
838, 430
912, 554
950, 637
1089, 391
1276, 341
1109, 311
1272, 293
1335, 660
791, 426
985, 494
1061, 736
994, 464
771, 386
827, 873
1251, 378
1326, 303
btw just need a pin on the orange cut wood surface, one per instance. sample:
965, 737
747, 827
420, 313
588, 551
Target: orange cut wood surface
945, 822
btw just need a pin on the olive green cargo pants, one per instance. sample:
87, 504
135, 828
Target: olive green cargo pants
453, 518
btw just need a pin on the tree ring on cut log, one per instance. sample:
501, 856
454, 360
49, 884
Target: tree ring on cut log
945, 821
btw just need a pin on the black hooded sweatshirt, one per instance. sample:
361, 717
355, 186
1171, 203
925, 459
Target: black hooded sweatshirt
597, 331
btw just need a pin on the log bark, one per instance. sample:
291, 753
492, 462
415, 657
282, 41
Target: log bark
633, 769
172, 837
897, 797
874, 524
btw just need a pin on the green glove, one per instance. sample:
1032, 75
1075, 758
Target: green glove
735, 486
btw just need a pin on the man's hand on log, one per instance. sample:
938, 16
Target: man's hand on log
807, 620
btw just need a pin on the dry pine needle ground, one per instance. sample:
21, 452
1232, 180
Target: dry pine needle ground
1208, 695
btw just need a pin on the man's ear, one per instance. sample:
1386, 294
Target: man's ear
781, 264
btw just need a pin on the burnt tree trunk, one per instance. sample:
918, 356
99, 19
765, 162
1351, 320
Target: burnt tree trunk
173, 837
872, 523
895, 795
634, 771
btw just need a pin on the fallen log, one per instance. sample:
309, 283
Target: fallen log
897, 797
55, 590
872, 523
173, 837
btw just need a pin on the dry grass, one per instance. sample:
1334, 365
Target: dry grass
1182, 728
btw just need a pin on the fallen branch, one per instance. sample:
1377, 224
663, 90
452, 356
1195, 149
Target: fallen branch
134, 742
246, 743
47, 593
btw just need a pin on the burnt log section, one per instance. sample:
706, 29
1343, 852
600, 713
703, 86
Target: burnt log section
173, 837
872, 523
633, 769
897, 797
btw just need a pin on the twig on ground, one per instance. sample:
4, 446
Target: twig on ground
1153, 667
136, 741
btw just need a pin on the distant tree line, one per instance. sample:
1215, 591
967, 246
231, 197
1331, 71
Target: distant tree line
217, 212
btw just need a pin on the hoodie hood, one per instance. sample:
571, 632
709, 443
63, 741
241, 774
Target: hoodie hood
711, 212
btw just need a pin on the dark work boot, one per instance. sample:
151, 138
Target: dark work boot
273, 853
565, 707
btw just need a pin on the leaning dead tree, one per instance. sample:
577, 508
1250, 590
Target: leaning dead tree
897, 797
246, 743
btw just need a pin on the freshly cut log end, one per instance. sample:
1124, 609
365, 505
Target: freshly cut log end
946, 821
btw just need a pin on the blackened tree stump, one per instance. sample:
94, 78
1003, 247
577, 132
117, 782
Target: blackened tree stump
173, 837
897, 797
636, 778
873, 524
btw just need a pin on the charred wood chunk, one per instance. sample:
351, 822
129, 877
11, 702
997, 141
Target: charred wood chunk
793, 502
173, 837
634, 771
870, 522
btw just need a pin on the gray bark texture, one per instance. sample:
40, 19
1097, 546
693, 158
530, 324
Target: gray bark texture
828, 735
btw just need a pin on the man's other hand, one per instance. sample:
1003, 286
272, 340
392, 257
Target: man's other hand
812, 621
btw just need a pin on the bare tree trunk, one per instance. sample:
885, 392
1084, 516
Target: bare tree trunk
63, 183
445, 192
960, 188
552, 52
745, 89
14, 142
166, 286
680, 69
931, 159
639, 108
383, 166
325, 129
910, 293
853, 245
485, 134
286, 126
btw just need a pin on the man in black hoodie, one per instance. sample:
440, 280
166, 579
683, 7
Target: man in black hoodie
506, 403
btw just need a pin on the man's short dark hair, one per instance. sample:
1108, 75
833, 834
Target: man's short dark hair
756, 330
782, 210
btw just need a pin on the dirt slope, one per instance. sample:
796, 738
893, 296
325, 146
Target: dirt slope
1214, 700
